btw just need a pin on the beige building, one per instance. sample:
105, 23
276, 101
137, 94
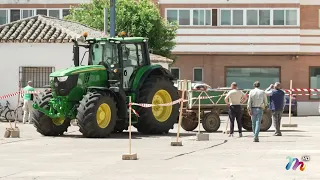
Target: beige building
222, 41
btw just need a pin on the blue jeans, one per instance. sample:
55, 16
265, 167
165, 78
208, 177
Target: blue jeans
256, 120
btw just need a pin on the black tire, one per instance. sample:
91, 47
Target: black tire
246, 121
266, 121
189, 122
87, 115
211, 122
43, 123
147, 123
10, 115
295, 113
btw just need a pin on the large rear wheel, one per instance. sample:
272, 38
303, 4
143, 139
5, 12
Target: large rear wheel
97, 115
44, 124
157, 119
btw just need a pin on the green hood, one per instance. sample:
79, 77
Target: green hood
77, 70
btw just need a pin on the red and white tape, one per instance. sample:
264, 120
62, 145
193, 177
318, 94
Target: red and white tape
304, 94
17, 93
303, 90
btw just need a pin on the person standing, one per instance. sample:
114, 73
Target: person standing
277, 104
235, 111
27, 103
256, 104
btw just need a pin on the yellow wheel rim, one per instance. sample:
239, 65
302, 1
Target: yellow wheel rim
161, 113
58, 121
103, 115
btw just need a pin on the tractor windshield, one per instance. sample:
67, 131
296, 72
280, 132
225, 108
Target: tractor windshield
105, 51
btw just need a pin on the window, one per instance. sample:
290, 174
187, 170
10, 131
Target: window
27, 13
201, 17
3, 17
225, 17
315, 81
252, 17
38, 75
291, 17
264, 17
172, 16
245, 77
184, 17
65, 12
175, 72
42, 12
197, 74
14, 15
278, 17
237, 16
54, 13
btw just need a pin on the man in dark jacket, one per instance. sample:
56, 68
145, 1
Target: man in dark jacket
277, 104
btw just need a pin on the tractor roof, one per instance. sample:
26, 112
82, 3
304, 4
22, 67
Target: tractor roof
124, 39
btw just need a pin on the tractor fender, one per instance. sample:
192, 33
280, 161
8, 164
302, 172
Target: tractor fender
144, 73
120, 97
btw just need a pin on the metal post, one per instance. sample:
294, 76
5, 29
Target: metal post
105, 21
290, 101
112, 18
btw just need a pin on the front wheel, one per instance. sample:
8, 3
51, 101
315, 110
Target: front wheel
266, 121
189, 122
97, 115
10, 115
44, 124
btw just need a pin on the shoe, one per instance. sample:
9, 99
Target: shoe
278, 134
256, 139
230, 135
240, 134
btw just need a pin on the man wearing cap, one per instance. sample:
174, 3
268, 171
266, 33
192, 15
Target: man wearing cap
27, 102
235, 112
277, 104
256, 104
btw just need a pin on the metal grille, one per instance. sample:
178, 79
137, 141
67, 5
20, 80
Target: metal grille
38, 75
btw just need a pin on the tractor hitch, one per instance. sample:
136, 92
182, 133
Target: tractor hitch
46, 112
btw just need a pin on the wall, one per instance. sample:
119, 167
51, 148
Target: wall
15, 55
213, 66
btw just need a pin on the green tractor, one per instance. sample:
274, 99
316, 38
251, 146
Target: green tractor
97, 94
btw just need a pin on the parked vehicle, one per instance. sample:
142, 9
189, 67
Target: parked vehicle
197, 86
294, 105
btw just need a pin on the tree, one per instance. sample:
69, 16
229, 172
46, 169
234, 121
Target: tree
141, 19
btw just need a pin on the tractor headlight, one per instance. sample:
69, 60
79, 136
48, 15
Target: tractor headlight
63, 78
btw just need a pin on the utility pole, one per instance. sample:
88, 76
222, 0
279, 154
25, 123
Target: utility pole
105, 21
112, 18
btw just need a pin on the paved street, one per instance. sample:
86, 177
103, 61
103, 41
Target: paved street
72, 157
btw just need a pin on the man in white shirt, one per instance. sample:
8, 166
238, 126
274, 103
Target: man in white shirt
256, 104
235, 97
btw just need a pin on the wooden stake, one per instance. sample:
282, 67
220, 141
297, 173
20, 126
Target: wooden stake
199, 113
290, 101
130, 156
177, 143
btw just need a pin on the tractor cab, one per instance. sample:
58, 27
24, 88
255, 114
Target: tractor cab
121, 56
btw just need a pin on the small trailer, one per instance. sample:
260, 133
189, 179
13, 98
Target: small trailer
211, 105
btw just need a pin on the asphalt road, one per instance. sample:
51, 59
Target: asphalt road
72, 157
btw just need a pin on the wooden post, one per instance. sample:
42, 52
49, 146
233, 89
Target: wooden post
290, 102
130, 156
199, 113
177, 143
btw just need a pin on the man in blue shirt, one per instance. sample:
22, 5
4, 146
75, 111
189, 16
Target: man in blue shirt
277, 104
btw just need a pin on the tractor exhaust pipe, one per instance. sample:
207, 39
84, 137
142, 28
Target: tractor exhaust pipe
76, 59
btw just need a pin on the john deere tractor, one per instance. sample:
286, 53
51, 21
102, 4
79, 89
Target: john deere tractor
97, 94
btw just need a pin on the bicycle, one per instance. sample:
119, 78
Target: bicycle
8, 113
18, 112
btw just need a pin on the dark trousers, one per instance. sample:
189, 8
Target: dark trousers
276, 116
235, 112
